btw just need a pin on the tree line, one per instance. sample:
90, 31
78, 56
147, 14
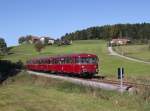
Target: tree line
139, 31
8, 68
3, 47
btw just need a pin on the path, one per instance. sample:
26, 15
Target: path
125, 57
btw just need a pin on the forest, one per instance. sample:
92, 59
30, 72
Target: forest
138, 31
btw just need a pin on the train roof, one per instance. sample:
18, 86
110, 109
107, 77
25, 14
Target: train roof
77, 55
67, 55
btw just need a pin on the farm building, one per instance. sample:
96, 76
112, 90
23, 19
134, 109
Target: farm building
33, 39
50, 41
120, 41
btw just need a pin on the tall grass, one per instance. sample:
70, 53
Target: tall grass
35, 85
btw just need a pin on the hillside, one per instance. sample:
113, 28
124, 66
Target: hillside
26, 93
108, 64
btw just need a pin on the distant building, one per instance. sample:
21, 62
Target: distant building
48, 40
44, 40
120, 41
51, 41
33, 39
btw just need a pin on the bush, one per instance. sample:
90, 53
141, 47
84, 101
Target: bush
3, 47
39, 46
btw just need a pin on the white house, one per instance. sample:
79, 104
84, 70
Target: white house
50, 40
42, 39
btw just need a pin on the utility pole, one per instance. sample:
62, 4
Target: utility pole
121, 76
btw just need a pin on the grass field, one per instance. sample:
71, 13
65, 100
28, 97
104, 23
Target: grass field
26, 93
141, 52
108, 64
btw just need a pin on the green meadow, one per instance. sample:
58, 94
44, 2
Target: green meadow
141, 52
24, 92
108, 64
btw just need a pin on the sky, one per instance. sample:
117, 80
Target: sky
54, 18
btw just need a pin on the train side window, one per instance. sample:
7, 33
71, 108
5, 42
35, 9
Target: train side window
43, 61
46, 61
65, 60
56, 61
40, 61
77, 60
53, 61
71, 59
68, 60
49, 61
37, 61
62, 60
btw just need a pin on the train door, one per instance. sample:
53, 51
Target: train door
71, 65
76, 65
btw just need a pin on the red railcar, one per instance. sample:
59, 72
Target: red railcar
73, 64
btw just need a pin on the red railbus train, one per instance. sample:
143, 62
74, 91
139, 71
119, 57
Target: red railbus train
71, 64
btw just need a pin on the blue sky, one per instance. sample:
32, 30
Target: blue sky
56, 17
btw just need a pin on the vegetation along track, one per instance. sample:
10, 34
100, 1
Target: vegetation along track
115, 82
97, 82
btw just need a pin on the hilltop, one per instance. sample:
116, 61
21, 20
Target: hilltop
138, 32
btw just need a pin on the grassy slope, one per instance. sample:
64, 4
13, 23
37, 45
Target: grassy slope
136, 51
108, 63
26, 93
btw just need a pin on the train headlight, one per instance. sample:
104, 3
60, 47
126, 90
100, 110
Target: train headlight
82, 67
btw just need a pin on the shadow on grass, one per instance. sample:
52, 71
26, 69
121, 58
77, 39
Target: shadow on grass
8, 69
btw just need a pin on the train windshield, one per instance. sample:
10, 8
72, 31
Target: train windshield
87, 60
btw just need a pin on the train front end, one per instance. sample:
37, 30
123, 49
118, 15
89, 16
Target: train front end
88, 64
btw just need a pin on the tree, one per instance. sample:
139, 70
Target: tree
3, 46
39, 46
28, 38
149, 45
21, 39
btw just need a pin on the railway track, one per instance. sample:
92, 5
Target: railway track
129, 84
99, 82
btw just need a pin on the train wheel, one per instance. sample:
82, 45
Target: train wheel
87, 75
